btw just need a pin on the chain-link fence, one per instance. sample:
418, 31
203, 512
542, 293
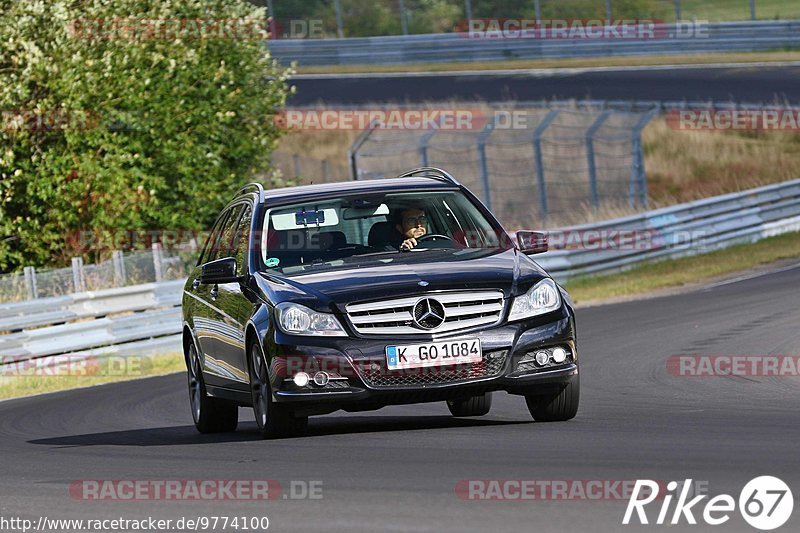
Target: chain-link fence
530, 166
305, 169
122, 270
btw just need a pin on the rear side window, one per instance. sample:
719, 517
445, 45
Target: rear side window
242, 241
212, 238
225, 244
222, 246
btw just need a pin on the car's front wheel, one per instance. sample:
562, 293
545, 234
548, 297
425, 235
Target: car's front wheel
210, 415
556, 407
273, 420
474, 406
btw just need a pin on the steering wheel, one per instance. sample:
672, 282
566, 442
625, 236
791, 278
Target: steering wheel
431, 236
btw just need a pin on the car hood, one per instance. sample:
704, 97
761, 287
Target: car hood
330, 290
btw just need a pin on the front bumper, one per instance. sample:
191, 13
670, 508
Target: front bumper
360, 380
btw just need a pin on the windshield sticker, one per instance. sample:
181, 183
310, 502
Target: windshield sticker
272, 262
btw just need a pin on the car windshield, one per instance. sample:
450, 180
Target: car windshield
354, 231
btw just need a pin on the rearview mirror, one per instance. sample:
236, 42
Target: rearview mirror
219, 271
532, 242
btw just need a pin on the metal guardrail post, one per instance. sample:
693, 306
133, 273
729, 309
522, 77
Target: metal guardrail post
352, 153
487, 190
537, 153
296, 162
120, 276
590, 156
637, 191
403, 22
78, 277
339, 26
158, 261
30, 283
423, 147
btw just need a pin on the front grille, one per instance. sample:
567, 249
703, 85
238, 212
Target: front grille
376, 375
401, 316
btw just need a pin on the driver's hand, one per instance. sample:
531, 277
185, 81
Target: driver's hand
408, 244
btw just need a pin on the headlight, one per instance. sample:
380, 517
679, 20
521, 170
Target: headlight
300, 320
542, 298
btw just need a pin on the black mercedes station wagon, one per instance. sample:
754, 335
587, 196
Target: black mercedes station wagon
359, 295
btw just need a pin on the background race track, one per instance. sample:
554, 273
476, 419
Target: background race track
396, 469
744, 83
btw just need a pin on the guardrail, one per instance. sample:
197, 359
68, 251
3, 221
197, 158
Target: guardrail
135, 320
747, 36
672, 232
145, 319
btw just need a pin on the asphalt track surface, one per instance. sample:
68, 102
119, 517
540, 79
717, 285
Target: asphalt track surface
396, 469
750, 84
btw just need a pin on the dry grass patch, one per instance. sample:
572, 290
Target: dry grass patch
688, 165
25, 380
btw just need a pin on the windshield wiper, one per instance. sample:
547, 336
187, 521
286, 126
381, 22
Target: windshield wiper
368, 254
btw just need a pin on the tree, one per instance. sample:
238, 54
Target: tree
127, 115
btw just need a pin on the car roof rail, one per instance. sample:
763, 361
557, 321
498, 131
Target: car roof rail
253, 187
430, 172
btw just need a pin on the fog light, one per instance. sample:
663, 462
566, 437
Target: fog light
542, 358
559, 355
321, 378
301, 379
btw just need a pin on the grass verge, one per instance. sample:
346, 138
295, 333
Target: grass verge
686, 271
577, 62
24, 380
730, 10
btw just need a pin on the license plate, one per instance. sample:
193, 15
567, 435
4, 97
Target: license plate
433, 354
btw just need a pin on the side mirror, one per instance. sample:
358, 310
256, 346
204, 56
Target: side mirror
532, 242
219, 271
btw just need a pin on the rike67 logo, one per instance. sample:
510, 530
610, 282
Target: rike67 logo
765, 503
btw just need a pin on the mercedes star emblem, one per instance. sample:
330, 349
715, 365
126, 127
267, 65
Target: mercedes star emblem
428, 313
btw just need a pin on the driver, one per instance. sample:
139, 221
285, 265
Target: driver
412, 225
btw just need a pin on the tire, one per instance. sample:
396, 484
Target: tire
273, 420
210, 415
474, 406
558, 407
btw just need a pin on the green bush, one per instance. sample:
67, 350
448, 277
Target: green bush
141, 133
